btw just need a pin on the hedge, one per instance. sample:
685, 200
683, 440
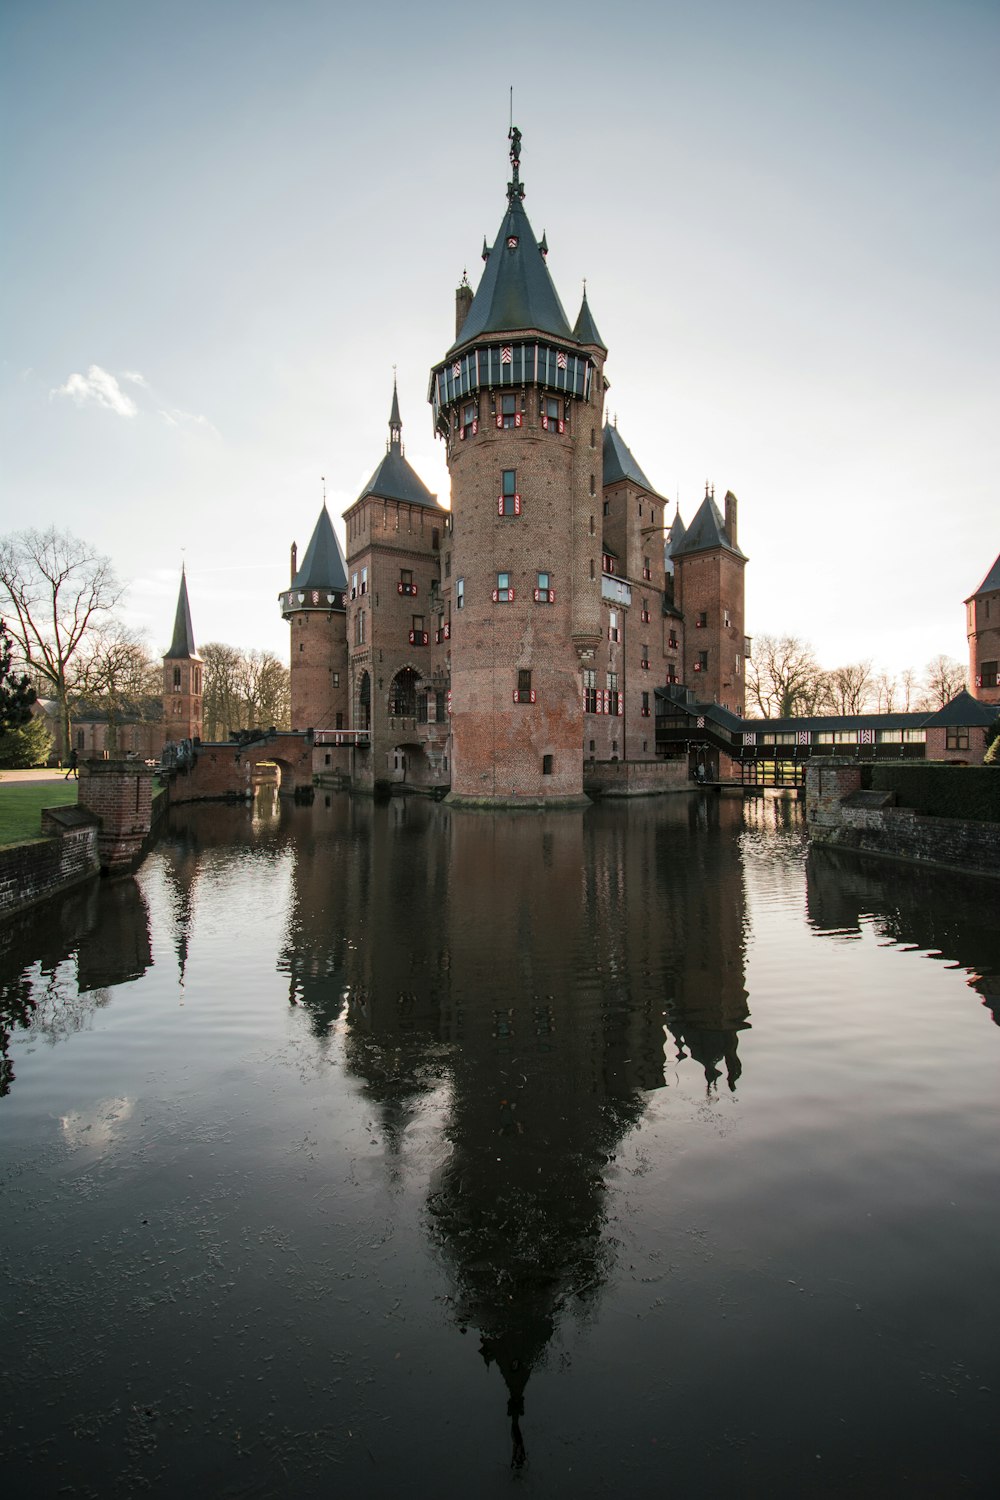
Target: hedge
943, 791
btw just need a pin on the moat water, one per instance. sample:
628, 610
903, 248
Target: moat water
381, 1150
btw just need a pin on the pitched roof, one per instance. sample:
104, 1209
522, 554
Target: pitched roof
677, 533
619, 462
394, 479
323, 566
585, 329
706, 531
989, 583
516, 290
182, 647
963, 710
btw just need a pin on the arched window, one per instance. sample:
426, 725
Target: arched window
403, 694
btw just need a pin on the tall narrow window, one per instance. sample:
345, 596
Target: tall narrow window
589, 692
470, 419
509, 501
545, 593
459, 593
177, 679
508, 416
364, 580
406, 584
613, 631
552, 417
524, 692
503, 593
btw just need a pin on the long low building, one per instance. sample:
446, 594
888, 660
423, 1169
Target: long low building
721, 745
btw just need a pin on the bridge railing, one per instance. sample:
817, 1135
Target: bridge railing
342, 737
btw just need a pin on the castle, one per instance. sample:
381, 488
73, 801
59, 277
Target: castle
495, 647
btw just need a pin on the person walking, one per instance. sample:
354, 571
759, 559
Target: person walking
74, 760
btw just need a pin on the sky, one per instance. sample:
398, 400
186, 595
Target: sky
226, 223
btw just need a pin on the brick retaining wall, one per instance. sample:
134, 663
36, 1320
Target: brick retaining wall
43, 867
635, 778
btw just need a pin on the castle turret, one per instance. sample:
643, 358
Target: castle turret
983, 630
182, 676
518, 400
709, 591
314, 606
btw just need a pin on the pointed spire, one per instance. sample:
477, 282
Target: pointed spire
515, 188
395, 420
585, 329
182, 647
486, 249
543, 244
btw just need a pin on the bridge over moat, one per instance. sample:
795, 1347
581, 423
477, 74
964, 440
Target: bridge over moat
208, 770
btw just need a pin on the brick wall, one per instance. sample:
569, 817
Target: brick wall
43, 867
635, 778
120, 795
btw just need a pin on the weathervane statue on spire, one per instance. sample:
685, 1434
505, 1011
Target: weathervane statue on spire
515, 188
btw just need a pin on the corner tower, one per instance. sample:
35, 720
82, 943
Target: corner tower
709, 591
518, 400
983, 630
182, 676
314, 607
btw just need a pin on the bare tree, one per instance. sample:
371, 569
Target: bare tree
58, 591
784, 677
116, 674
885, 690
221, 703
909, 688
943, 678
265, 688
243, 690
849, 689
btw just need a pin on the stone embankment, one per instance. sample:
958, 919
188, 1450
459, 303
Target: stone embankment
842, 813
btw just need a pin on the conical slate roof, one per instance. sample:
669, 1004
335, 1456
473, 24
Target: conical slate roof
323, 566
706, 531
516, 290
989, 583
619, 462
182, 647
394, 479
585, 329
678, 531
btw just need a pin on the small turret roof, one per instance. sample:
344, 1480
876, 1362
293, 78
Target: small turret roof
516, 290
678, 531
182, 647
395, 479
323, 566
989, 583
619, 462
585, 329
706, 531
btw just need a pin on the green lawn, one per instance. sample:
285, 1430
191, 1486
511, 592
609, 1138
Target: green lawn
21, 806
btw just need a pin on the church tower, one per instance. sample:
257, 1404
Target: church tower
182, 676
315, 608
518, 400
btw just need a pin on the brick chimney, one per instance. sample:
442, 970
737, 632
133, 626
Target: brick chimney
731, 505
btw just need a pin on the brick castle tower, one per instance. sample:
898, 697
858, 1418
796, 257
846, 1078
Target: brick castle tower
182, 676
518, 400
983, 631
709, 590
314, 606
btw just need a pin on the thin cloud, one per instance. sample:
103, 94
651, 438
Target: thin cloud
135, 377
100, 387
174, 417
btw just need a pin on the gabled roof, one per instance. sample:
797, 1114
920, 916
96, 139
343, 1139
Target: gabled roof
707, 531
323, 566
989, 583
585, 329
516, 290
619, 462
963, 710
182, 647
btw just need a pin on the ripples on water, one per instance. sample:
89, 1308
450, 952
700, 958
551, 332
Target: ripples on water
393, 1146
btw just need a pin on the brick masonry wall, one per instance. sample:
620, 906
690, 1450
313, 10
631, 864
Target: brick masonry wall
712, 582
226, 770
636, 778
34, 871
318, 669
120, 795
895, 832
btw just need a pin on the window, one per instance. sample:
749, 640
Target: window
336, 678
645, 616
593, 485
672, 641
644, 661
359, 628
459, 593
177, 679
672, 672
508, 415
613, 632
606, 508
406, 584
354, 585
552, 417
739, 662
447, 565
524, 692
647, 572
503, 593
508, 501
589, 693
439, 706
645, 705
418, 635
614, 701
545, 593
422, 708
701, 665
701, 621
403, 694
988, 676
957, 739
470, 419
726, 619
340, 720
79, 739
364, 580
546, 765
